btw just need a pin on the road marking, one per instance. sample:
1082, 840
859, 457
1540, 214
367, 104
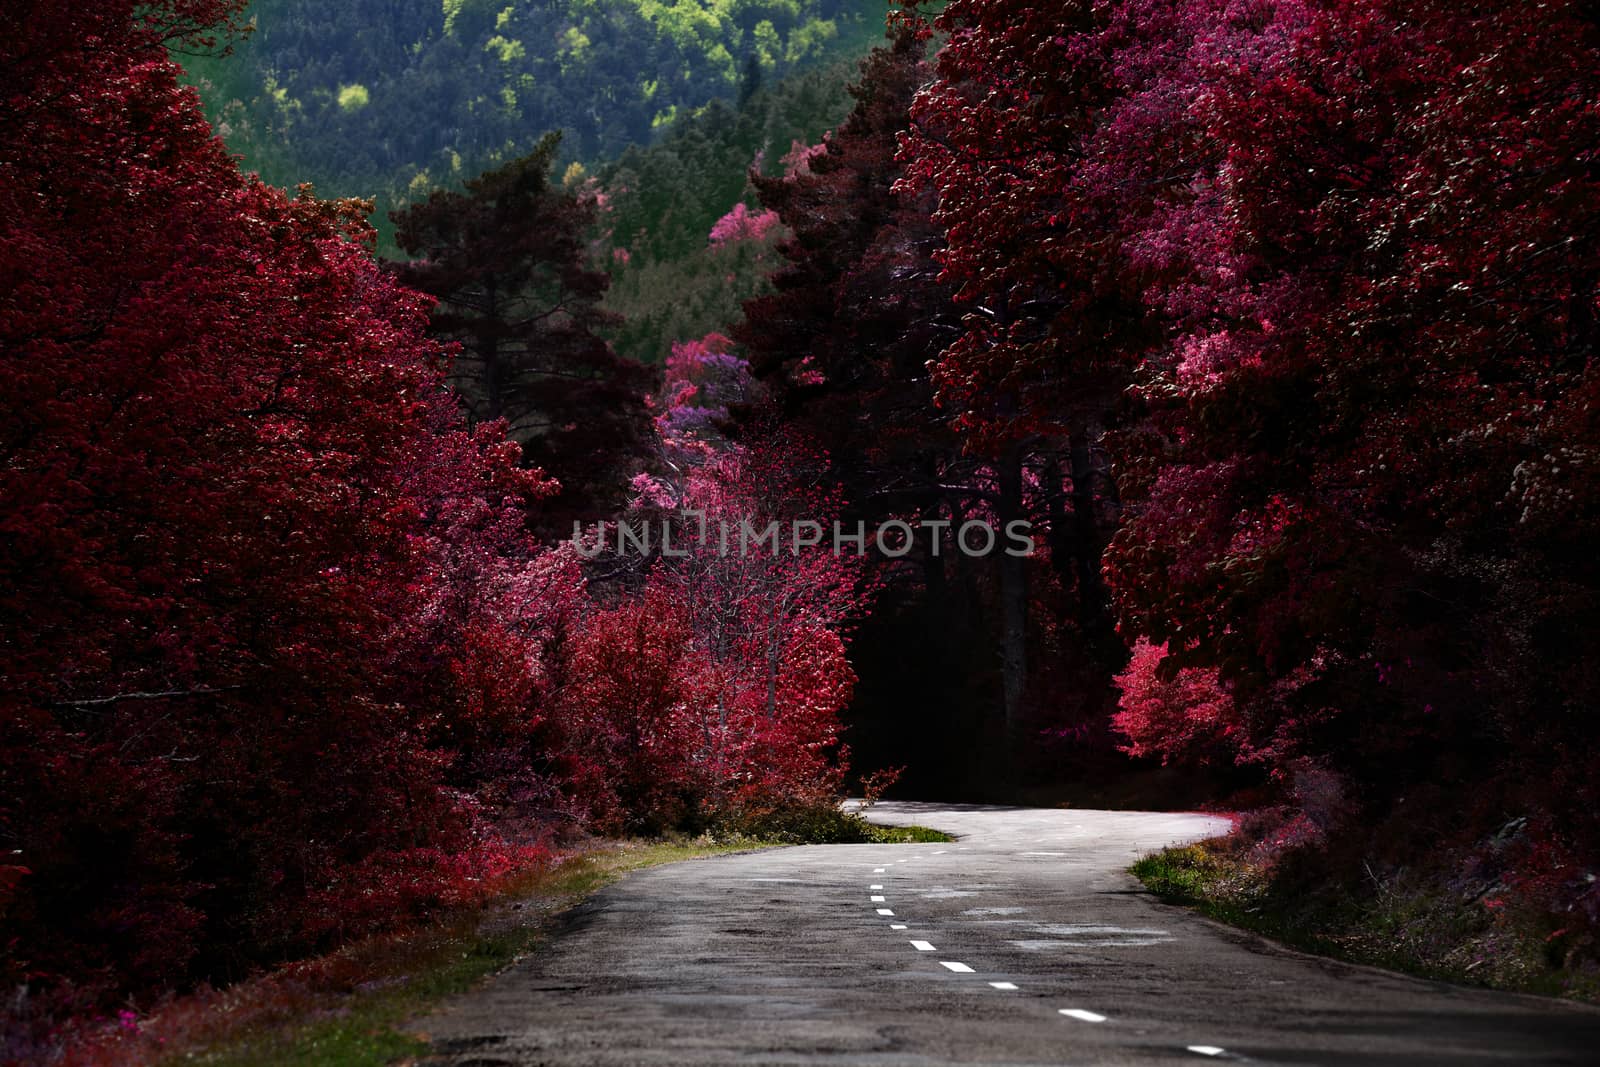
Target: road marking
878, 870
874, 887
1085, 1016
922, 946
1206, 1050
1004, 985
959, 968
885, 911
897, 926
877, 899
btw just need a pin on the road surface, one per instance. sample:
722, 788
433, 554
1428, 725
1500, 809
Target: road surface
1023, 942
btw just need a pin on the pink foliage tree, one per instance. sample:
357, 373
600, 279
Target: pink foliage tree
1182, 715
742, 224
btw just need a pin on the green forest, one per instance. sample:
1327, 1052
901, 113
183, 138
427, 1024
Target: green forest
388, 100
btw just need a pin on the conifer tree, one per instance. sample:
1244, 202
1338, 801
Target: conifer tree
506, 259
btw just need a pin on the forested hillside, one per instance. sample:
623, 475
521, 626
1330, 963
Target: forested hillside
384, 98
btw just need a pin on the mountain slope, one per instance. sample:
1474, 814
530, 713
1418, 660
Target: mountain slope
392, 97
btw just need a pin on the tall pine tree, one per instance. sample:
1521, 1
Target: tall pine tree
506, 260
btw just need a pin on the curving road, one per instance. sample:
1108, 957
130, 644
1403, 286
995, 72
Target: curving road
1024, 942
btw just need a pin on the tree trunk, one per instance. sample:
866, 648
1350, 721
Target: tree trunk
1057, 491
774, 649
1013, 600
494, 386
1086, 532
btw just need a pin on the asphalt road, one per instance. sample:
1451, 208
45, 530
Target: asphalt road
1024, 942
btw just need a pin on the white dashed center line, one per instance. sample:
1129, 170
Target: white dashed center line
876, 899
885, 911
959, 968
874, 887
922, 946
1206, 1050
1004, 985
1085, 1016
878, 870
897, 926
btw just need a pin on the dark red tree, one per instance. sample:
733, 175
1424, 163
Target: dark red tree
258, 583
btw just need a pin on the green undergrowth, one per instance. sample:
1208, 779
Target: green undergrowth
1410, 923
830, 826
896, 835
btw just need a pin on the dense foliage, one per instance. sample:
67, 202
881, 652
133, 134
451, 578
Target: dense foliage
846, 347
259, 571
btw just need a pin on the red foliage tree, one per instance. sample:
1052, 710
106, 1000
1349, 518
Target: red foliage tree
769, 621
1348, 248
629, 714
262, 592
741, 224
704, 381
713, 690
1187, 717
1034, 375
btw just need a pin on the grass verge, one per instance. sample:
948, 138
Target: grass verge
1407, 924
440, 963
349, 1008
